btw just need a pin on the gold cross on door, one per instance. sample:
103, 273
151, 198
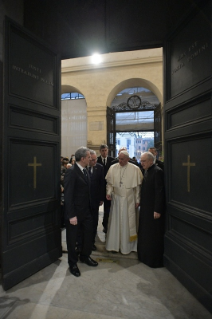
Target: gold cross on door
35, 165
189, 165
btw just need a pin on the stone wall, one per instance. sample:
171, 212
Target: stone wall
100, 83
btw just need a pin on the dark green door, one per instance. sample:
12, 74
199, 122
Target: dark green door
188, 152
30, 229
111, 131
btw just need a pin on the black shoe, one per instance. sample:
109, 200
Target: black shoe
89, 261
94, 247
74, 270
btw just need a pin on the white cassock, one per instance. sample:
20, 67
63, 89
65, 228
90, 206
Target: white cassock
123, 185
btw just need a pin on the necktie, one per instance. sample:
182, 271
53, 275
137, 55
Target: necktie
89, 170
104, 161
85, 173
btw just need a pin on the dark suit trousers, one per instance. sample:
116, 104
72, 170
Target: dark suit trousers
86, 226
95, 217
95, 214
107, 204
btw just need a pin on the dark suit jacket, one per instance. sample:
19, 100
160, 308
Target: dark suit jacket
159, 164
76, 193
153, 192
106, 167
108, 164
97, 186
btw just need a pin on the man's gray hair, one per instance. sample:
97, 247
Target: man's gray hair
81, 152
92, 152
150, 156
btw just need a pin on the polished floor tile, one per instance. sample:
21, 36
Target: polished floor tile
120, 287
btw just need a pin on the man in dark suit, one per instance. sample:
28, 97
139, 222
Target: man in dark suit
78, 210
96, 172
105, 160
154, 152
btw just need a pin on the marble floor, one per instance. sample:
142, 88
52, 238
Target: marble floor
120, 287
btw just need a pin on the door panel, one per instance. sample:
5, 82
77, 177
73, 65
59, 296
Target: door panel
188, 152
157, 129
31, 236
111, 131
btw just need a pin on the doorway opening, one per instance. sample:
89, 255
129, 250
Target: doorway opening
135, 122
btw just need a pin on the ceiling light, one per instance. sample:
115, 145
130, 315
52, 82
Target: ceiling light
96, 58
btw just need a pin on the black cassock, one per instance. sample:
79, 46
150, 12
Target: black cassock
151, 231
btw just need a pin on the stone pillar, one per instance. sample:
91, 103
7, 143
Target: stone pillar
97, 127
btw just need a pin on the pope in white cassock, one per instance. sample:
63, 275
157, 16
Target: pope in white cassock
123, 188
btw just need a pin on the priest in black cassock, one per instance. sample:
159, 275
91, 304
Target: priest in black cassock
152, 210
